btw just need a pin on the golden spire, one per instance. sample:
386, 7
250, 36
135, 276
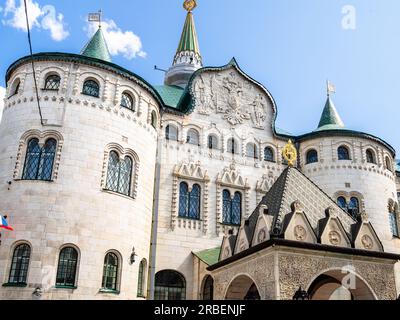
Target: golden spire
289, 153
190, 5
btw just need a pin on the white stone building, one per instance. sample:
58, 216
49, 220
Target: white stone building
117, 188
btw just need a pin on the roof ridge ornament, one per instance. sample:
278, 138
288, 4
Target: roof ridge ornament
289, 153
190, 5
330, 88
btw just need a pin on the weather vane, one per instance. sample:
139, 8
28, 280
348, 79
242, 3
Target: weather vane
330, 88
289, 153
190, 5
95, 17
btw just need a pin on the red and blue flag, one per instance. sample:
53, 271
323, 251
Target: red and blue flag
4, 223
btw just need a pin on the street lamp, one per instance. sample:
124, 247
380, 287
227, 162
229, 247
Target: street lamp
301, 294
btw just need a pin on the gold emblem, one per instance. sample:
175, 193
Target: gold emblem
190, 5
289, 153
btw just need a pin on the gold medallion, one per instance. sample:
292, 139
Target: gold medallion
289, 153
190, 5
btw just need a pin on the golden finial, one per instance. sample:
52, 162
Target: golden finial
289, 153
190, 5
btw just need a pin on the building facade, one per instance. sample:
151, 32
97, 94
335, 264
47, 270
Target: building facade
116, 184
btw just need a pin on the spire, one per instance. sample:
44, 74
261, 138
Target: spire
187, 58
97, 47
330, 118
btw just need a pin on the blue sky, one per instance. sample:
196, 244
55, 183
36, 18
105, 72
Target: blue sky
290, 46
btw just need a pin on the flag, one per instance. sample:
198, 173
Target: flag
331, 88
4, 224
94, 17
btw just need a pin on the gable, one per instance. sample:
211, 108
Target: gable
242, 242
367, 239
262, 229
334, 234
299, 229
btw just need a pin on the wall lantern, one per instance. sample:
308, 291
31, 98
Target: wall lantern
301, 294
133, 255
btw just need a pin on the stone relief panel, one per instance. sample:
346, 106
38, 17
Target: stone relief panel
234, 97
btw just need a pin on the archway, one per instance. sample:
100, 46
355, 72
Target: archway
340, 285
169, 285
242, 288
208, 288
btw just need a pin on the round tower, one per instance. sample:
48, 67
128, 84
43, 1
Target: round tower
77, 170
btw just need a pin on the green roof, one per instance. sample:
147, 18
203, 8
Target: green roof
330, 119
171, 95
209, 256
97, 47
189, 40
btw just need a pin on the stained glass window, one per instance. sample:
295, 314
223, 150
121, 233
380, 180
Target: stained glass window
212, 142
110, 272
343, 153
193, 137
171, 132
91, 88
251, 151
141, 278
119, 174
208, 289
232, 208
370, 156
312, 156
39, 160
67, 265
127, 101
52, 82
232, 147
20, 264
169, 285
269, 154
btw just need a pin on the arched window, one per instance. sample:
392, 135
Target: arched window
388, 164
212, 142
393, 220
20, 264
269, 154
312, 156
110, 272
193, 137
171, 132
208, 289
141, 278
232, 208
189, 202
119, 174
341, 201
251, 151
343, 153
67, 265
370, 155
353, 207
232, 146
154, 119
15, 87
91, 88
169, 285
39, 160
52, 82
127, 101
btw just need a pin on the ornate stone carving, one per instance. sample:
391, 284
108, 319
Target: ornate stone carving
334, 238
262, 235
300, 233
367, 242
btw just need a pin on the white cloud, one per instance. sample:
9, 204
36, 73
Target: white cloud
45, 18
2, 95
121, 42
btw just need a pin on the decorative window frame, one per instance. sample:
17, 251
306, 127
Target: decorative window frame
43, 136
181, 137
85, 76
9, 265
144, 279
393, 207
375, 150
62, 73
264, 185
214, 131
274, 149
350, 147
232, 180
152, 109
78, 262
190, 173
122, 152
349, 195
199, 131
133, 94
119, 272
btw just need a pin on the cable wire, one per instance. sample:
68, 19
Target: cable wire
33, 65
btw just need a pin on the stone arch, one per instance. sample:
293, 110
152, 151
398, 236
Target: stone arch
242, 287
207, 288
327, 282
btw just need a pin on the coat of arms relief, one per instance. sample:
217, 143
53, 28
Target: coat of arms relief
229, 94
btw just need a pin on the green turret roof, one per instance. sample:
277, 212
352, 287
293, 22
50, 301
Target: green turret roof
330, 118
189, 40
97, 47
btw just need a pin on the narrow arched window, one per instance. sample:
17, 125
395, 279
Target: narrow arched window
343, 153
236, 208
393, 220
67, 266
171, 132
154, 119
183, 199
232, 208
91, 88
208, 289
52, 82
341, 201
119, 174
226, 207
194, 202
110, 272
388, 164
370, 155
232, 146
20, 264
193, 137
251, 151
169, 285
354, 207
212, 142
141, 278
312, 156
127, 101
15, 87
269, 154
39, 160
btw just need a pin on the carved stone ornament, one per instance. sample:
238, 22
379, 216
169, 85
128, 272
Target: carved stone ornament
367, 242
226, 253
297, 206
262, 235
300, 233
334, 238
242, 245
